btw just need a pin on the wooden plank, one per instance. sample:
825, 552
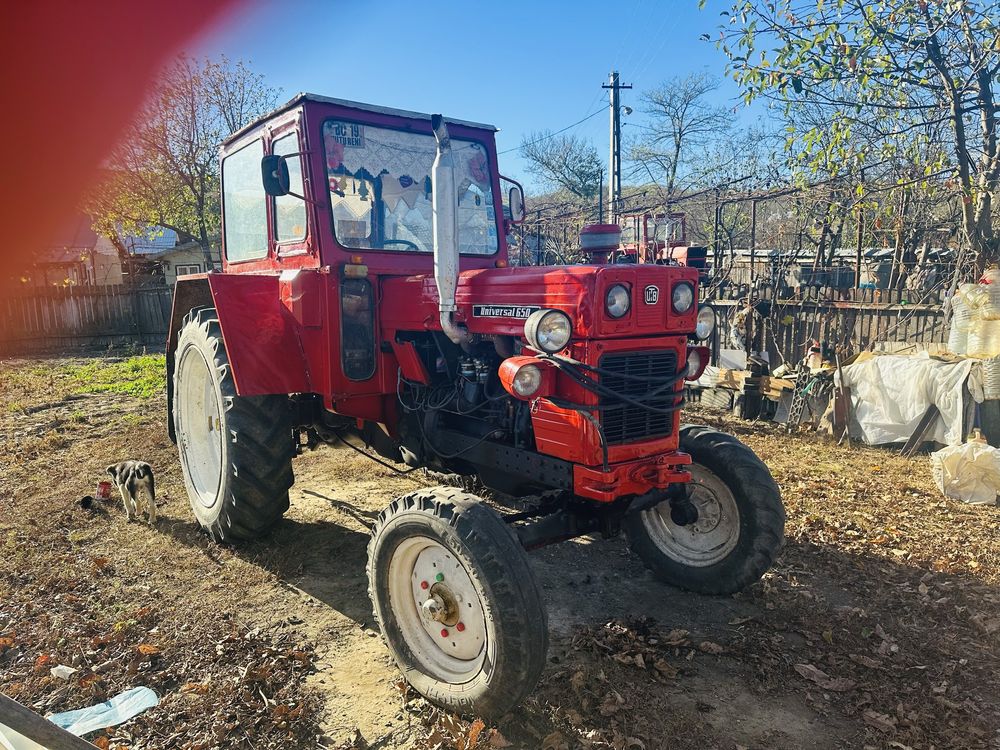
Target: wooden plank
920, 433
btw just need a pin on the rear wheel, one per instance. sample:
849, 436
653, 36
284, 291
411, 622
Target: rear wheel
458, 604
740, 519
236, 451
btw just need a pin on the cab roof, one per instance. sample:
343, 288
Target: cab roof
306, 97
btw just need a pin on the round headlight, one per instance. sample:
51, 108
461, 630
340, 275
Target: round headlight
682, 297
548, 330
693, 363
617, 301
706, 323
527, 380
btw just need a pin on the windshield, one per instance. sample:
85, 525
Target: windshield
380, 189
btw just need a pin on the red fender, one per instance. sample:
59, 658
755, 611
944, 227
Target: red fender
264, 335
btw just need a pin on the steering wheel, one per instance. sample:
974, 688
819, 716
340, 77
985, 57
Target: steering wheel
401, 242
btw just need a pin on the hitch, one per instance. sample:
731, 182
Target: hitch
558, 523
682, 511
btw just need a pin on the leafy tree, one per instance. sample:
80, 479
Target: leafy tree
165, 172
564, 161
892, 71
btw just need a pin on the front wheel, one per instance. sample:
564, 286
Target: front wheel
740, 524
458, 604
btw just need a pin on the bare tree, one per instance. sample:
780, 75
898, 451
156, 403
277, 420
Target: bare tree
564, 161
682, 121
165, 172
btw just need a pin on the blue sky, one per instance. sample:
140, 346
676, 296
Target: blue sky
522, 66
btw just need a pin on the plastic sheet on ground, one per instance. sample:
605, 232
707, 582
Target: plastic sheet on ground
890, 395
116, 711
969, 472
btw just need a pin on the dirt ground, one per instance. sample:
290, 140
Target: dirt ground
879, 626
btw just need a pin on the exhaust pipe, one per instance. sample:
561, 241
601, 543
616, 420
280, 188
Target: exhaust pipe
444, 225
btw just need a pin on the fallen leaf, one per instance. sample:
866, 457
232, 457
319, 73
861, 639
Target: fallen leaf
665, 669
147, 649
555, 741
711, 648
825, 681
474, 731
612, 703
676, 637
865, 661
881, 722
577, 681
102, 742
497, 740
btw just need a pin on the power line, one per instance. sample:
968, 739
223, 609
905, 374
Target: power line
553, 135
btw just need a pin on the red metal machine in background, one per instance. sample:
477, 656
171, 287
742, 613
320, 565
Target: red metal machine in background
660, 238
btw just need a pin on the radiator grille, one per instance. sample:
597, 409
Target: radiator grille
630, 423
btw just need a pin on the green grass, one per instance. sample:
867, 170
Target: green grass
142, 376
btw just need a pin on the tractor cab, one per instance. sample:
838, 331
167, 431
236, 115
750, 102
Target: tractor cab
366, 300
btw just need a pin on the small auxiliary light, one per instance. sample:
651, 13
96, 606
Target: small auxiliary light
526, 378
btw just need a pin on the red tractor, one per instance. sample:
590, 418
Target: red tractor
365, 298
659, 238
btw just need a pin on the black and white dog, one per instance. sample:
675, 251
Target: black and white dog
131, 478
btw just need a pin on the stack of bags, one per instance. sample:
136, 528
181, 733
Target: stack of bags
975, 327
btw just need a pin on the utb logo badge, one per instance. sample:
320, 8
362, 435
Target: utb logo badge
652, 294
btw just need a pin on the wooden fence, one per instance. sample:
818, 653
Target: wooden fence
57, 319
63, 319
788, 326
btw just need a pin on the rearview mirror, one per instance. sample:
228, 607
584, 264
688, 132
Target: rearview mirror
515, 199
274, 175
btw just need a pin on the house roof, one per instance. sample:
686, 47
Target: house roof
154, 241
75, 234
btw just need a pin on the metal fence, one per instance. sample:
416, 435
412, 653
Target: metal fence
63, 319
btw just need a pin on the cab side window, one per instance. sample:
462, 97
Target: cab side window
244, 204
289, 211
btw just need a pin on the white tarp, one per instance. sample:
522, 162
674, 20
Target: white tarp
890, 395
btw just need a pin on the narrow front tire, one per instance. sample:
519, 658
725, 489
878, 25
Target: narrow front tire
458, 604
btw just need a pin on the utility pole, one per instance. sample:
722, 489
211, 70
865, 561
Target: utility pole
615, 86
861, 239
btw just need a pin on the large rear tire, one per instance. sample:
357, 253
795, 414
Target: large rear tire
741, 521
457, 602
236, 451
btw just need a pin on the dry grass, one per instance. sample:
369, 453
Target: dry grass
879, 626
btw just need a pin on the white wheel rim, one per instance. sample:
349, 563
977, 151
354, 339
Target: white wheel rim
438, 609
709, 539
199, 432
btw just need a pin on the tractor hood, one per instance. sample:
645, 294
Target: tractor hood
498, 300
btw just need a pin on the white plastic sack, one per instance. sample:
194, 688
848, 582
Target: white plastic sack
116, 711
968, 472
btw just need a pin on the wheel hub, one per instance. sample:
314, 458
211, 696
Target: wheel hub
703, 533
444, 621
